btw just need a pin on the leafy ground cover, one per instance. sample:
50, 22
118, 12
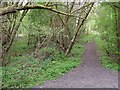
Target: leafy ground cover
105, 59
26, 71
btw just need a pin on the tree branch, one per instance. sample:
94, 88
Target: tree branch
13, 9
77, 30
81, 8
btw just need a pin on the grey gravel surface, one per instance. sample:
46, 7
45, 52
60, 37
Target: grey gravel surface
90, 74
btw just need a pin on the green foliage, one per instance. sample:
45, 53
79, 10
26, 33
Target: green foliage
105, 59
106, 25
26, 71
59, 67
61, 63
20, 72
43, 17
48, 49
87, 38
108, 64
20, 45
1, 75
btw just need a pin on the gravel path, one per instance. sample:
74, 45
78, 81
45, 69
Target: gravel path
91, 74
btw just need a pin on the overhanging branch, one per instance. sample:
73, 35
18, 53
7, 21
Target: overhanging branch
13, 9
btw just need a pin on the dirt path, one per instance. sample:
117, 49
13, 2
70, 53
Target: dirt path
90, 74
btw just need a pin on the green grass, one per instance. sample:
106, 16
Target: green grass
106, 60
26, 71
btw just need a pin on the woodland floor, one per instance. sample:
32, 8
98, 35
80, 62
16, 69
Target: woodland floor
91, 74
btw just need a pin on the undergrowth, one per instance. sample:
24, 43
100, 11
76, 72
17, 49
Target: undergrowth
105, 59
26, 71
20, 45
0, 77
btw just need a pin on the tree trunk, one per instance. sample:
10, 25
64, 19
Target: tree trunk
14, 32
77, 31
38, 46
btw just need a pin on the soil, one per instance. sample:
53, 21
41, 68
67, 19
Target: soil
90, 74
